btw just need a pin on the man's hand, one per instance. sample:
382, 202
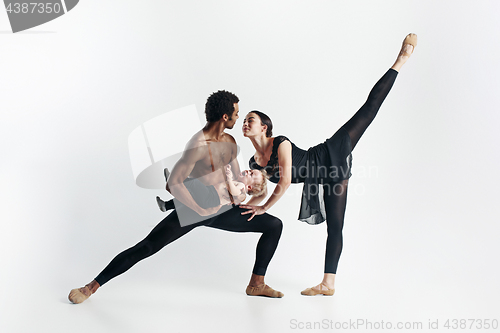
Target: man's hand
254, 210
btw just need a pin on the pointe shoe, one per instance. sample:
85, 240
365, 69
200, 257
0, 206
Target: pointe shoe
77, 296
411, 39
264, 290
314, 292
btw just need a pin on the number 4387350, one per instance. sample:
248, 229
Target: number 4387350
471, 323
34, 7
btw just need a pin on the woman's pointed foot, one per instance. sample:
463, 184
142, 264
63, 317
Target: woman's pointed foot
409, 44
320, 289
263, 290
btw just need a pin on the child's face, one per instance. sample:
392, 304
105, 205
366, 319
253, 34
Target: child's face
250, 177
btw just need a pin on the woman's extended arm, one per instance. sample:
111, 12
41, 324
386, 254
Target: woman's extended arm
285, 170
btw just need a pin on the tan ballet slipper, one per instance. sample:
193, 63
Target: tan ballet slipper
411, 39
263, 290
77, 296
314, 292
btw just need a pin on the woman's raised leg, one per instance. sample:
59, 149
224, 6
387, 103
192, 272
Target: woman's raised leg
357, 125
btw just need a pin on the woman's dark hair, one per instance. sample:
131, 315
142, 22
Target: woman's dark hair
219, 104
265, 120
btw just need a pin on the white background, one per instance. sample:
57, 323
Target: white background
421, 230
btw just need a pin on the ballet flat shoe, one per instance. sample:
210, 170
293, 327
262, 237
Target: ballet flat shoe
410, 39
77, 296
314, 292
263, 290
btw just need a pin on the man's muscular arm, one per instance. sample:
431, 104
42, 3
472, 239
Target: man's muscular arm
180, 172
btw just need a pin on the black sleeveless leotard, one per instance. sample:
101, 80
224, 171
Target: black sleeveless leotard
327, 162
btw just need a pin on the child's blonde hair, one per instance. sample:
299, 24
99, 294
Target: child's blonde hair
259, 189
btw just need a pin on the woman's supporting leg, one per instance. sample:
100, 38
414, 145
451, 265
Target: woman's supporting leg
335, 198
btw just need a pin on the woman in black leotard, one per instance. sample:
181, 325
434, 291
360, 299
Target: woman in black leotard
324, 169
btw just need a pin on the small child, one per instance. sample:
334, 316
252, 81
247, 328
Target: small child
252, 182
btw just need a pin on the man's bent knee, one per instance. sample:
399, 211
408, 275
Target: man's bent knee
276, 225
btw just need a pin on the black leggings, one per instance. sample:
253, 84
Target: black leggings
169, 229
335, 195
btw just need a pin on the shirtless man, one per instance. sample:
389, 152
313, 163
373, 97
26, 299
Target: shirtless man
206, 153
